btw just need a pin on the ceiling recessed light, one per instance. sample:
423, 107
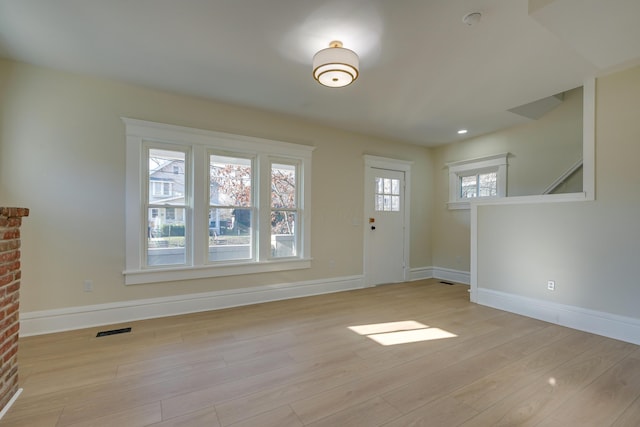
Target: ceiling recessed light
472, 18
462, 131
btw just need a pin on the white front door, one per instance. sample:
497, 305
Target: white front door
386, 250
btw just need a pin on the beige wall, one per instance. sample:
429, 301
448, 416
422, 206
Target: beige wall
540, 152
591, 249
62, 154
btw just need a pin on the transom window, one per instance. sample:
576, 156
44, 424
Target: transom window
240, 211
474, 179
479, 185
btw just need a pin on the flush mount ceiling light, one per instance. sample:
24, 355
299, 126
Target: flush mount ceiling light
335, 66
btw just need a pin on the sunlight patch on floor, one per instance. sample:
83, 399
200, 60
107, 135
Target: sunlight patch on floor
403, 332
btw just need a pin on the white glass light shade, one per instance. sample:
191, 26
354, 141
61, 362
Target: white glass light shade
335, 66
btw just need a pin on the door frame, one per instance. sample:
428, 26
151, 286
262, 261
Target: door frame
376, 162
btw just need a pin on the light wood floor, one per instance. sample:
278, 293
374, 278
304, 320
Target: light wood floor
297, 363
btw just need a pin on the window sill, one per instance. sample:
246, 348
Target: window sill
516, 200
466, 204
458, 205
170, 274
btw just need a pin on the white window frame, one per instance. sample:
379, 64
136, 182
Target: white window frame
494, 163
199, 142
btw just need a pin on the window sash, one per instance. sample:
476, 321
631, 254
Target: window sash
160, 248
236, 241
284, 214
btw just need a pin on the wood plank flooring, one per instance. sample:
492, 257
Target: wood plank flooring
298, 363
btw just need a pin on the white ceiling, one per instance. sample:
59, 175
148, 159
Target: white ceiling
424, 73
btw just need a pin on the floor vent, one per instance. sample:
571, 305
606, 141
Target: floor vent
446, 283
113, 332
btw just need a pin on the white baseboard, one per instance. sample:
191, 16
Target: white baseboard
49, 321
420, 273
10, 403
596, 322
451, 275
441, 273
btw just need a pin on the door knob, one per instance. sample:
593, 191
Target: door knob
373, 227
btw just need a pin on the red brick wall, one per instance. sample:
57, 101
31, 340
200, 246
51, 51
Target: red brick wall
10, 222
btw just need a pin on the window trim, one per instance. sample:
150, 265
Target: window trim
494, 163
199, 141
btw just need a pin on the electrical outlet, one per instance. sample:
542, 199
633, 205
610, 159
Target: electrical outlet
88, 285
551, 285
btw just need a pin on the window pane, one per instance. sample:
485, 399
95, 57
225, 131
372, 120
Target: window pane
395, 186
283, 234
387, 186
166, 236
166, 186
230, 181
230, 234
387, 197
387, 203
395, 203
488, 184
283, 186
469, 186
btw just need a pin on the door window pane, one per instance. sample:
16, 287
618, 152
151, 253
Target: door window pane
387, 197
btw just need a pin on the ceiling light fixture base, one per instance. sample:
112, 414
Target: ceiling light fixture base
335, 66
